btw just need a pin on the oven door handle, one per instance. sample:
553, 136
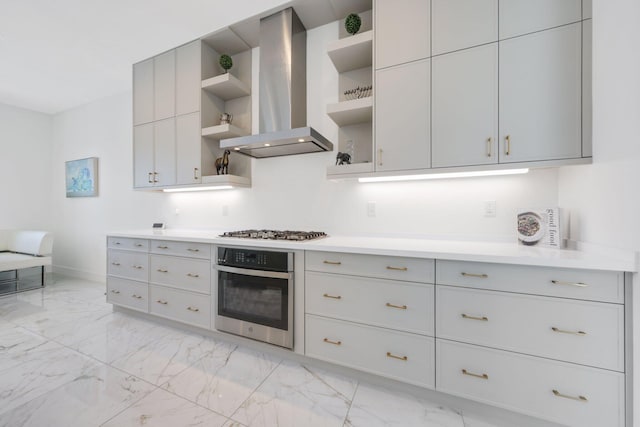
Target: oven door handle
257, 273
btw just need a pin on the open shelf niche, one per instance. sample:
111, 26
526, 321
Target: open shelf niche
230, 93
352, 55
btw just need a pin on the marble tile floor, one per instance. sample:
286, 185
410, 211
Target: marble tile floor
66, 359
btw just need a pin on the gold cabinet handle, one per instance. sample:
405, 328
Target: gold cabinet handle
115, 263
139, 245
332, 262
117, 243
193, 250
489, 141
563, 331
578, 284
136, 296
150, 178
114, 291
195, 173
578, 398
193, 275
162, 270
379, 156
155, 177
162, 302
163, 247
328, 341
401, 307
481, 276
397, 268
194, 309
332, 296
393, 356
137, 267
471, 374
507, 145
482, 319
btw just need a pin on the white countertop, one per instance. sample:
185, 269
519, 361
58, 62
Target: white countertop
586, 257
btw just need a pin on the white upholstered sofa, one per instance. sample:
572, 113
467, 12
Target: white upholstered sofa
22, 249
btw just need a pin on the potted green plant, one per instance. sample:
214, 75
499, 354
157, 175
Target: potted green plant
352, 23
226, 62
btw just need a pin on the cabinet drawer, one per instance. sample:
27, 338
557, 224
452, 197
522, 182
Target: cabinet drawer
589, 333
128, 244
128, 293
130, 265
383, 267
565, 393
185, 249
182, 306
184, 273
596, 285
398, 305
402, 356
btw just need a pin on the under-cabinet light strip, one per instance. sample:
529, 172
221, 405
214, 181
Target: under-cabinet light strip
442, 175
217, 187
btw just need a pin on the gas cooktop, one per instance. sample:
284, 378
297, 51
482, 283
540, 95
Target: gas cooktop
275, 234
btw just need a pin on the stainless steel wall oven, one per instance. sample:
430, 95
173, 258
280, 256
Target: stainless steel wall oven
255, 294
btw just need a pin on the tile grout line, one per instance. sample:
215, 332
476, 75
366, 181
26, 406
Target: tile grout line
353, 398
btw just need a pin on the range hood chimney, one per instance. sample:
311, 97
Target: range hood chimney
283, 93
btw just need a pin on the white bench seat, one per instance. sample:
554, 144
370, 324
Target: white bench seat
13, 261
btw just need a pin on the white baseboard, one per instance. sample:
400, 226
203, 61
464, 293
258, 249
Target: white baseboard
78, 274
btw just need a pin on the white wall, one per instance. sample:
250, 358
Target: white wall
288, 192
25, 169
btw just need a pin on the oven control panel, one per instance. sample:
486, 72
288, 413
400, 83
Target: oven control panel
255, 259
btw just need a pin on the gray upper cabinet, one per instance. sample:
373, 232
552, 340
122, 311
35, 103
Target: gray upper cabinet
518, 17
460, 24
540, 95
188, 78
143, 92
164, 85
402, 31
465, 107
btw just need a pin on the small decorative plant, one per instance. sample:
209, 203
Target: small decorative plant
352, 23
226, 62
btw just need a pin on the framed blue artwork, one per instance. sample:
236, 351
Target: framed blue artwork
82, 177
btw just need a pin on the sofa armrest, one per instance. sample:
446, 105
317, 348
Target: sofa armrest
37, 243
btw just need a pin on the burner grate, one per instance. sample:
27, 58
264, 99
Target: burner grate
275, 234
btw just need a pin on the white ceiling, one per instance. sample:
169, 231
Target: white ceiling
59, 54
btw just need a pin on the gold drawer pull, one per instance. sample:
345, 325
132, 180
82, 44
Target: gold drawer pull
139, 245
162, 270
482, 376
579, 398
116, 243
193, 309
489, 140
115, 263
193, 250
137, 267
507, 145
113, 291
328, 341
332, 262
193, 275
483, 318
393, 356
481, 276
401, 307
332, 296
163, 247
136, 296
562, 331
162, 302
578, 284
396, 268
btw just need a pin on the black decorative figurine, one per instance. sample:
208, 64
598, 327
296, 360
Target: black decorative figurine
222, 163
343, 159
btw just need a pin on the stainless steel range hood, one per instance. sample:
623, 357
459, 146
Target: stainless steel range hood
283, 93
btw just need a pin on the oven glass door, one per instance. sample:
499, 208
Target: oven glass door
255, 299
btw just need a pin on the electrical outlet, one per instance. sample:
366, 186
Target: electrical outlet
371, 209
490, 208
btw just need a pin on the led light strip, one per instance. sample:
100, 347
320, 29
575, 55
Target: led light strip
217, 187
442, 175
